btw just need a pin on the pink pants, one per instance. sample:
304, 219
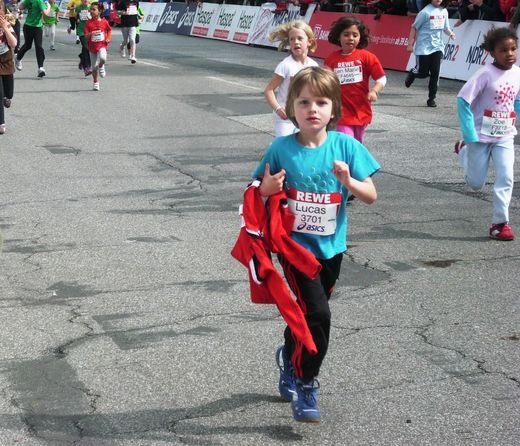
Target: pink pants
356, 131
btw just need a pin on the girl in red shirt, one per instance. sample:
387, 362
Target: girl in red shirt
354, 66
98, 33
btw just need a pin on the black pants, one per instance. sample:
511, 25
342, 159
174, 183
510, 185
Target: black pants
84, 56
6, 91
30, 34
429, 65
313, 297
72, 22
16, 29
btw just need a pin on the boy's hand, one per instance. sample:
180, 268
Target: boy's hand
341, 171
271, 184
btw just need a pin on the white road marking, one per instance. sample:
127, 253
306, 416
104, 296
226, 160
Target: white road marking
141, 61
234, 83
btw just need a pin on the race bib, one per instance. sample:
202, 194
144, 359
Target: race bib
98, 36
437, 22
315, 213
131, 10
495, 123
4, 48
84, 14
350, 74
51, 14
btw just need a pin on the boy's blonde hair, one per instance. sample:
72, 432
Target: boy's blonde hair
282, 34
322, 82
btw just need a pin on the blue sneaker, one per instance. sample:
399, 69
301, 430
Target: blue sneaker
286, 385
305, 403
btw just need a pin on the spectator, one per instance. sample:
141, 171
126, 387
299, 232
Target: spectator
393, 7
508, 7
480, 9
515, 19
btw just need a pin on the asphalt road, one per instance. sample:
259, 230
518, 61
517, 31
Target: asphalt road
124, 320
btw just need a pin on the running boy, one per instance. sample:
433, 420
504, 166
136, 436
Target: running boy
487, 106
317, 168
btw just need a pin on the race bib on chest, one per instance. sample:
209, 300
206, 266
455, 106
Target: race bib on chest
84, 14
3, 47
131, 10
315, 213
495, 123
349, 72
98, 36
51, 14
437, 22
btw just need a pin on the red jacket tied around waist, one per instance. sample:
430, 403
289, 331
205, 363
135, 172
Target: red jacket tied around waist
265, 229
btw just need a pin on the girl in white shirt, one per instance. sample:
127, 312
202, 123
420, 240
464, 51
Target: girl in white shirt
299, 38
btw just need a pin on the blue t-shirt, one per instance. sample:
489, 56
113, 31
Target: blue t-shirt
309, 170
430, 23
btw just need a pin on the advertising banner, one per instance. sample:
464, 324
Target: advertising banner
267, 21
205, 19
152, 14
177, 18
234, 23
388, 37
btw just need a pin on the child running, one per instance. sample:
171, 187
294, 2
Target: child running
83, 15
316, 168
33, 32
99, 34
298, 36
487, 106
128, 10
7, 43
354, 66
426, 32
50, 21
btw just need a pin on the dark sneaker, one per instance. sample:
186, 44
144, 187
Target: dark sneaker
286, 385
409, 79
41, 72
305, 403
431, 103
7, 102
458, 146
87, 71
501, 231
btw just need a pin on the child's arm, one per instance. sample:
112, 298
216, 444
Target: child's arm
270, 96
447, 29
376, 89
364, 190
411, 39
467, 122
271, 184
8, 31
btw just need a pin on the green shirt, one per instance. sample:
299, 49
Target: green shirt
35, 10
52, 18
82, 18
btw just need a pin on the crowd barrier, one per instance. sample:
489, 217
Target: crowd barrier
251, 25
